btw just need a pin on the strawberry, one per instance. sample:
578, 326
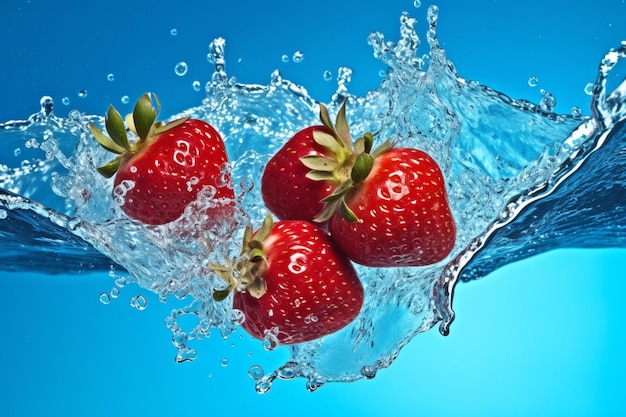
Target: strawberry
162, 171
291, 186
404, 218
292, 283
390, 207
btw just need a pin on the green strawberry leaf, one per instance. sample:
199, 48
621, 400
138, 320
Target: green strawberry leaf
362, 168
110, 168
105, 141
116, 129
144, 115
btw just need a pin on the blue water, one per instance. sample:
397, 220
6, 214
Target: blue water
539, 337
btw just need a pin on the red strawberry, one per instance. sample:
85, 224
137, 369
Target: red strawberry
403, 214
292, 185
165, 168
296, 285
391, 209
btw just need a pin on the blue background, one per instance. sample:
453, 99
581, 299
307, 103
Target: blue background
542, 337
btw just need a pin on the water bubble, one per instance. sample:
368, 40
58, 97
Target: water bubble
417, 4
533, 81
298, 56
196, 85
115, 292
256, 372
285, 58
368, 372
181, 68
120, 282
125, 99
224, 362
105, 298
270, 341
548, 102
173, 31
82, 93
236, 317
47, 104
3, 214
111, 77
589, 89
328, 75
65, 101
139, 302
17, 152
577, 112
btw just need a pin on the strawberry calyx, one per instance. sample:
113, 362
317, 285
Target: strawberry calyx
141, 122
346, 163
245, 273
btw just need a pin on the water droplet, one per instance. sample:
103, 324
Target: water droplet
328, 75
577, 112
82, 93
120, 282
181, 68
285, 58
125, 99
47, 104
548, 102
111, 77
3, 214
382, 73
196, 85
236, 317
224, 362
115, 292
65, 101
186, 355
589, 89
173, 31
298, 56
256, 372
533, 81
17, 152
368, 372
105, 298
417, 4
139, 302
270, 341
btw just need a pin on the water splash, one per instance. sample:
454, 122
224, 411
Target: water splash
509, 164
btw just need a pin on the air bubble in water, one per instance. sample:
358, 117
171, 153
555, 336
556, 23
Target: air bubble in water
65, 101
111, 77
533, 81
139, 302
125, 99
589, 89
17, 152
3, 214
256, 372
181, 68
417, 4
576, 112
298, 56
174, 32
82, 93
328, 75
105, 298
285, 58
196, 85
224, 362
